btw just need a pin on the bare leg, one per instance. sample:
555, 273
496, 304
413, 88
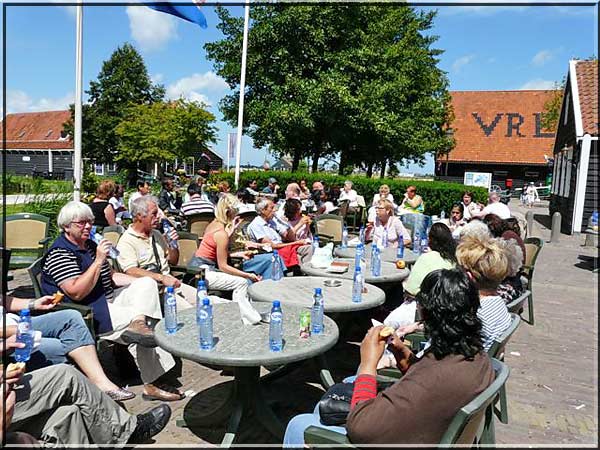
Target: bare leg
87, 360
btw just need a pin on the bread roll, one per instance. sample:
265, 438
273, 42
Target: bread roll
386, 332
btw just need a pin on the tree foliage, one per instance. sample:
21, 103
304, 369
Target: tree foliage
551, 113
164, 131
358, 81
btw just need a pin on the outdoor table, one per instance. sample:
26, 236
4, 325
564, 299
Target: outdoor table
388, 254
245, 348
390, 274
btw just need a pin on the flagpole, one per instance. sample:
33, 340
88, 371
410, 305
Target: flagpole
77, 168
238, 146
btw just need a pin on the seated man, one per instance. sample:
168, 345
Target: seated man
267, 229
196, 203
169, 201
494, 206
145, 253
58, 406
122, 305
272, 187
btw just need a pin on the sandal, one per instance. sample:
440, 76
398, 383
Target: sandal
119, 395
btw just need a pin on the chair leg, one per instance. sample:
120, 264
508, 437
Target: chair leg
503, 406
488, 436
530, 305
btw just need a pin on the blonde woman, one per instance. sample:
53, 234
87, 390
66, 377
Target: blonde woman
385, 221
487, 264
384, 194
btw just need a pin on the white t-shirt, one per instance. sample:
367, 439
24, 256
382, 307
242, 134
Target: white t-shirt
350, 195
498, 208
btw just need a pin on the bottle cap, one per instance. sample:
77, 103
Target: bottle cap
170, 289
206, 301
357, 269
201, 283
318, 291
24, 312
275, 252
276, 303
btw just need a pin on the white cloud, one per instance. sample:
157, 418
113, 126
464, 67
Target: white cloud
157, 78
190, 87
18, 101
538, 83
481, 9
458, 64
151, 29
542, 57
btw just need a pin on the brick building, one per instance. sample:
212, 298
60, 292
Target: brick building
499, 132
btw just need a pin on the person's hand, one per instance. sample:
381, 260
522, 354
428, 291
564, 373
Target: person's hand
102, 250
246, 255
12, 375
401, 352
252, 245
44, 303
254, 278
9, 344
369, 226
371, 350
169, 280
407, 329
305, 220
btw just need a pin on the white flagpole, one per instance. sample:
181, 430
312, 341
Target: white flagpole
238, 145
77, 169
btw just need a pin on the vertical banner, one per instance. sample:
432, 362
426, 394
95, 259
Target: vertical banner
230, 148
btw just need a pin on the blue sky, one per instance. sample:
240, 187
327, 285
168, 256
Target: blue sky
486, 48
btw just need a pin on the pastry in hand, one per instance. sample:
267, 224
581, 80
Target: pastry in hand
15, 366
386, 332
58, 296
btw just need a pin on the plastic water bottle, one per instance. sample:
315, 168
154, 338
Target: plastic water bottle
424, 244
376, 263
400, 249
384, 239
316, 316
276, 327
417, 243
201, 294
357, 285
344, 237
205, 325
276, 271
442, 215
97, 237
170, 310
167, 227
373, 249
315, 243
24, 336
361, 234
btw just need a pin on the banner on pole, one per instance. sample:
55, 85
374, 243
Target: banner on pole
231, 145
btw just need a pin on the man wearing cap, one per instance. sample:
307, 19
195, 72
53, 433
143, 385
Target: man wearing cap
272, 188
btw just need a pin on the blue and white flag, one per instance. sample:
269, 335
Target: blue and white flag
191, 13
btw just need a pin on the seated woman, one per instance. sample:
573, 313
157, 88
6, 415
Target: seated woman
323, 203
300, 226
418, 408
348, 199
266, 229
384, 194
104, 213
469, 206
411, 202
499, 229
486, 262
64, 336
122, 305
386, 223
456, 220
512, 287
304, 191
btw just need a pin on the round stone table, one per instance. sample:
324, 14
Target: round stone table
245, 348
298, 291
388, 254
390, 274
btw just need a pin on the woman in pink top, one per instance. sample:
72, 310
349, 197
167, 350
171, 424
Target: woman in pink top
386, 220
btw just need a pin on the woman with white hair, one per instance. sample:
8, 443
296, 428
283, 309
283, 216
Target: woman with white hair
348, 199
78, 267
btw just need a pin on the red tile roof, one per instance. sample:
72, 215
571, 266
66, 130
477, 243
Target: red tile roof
500, 127
37, 130
587, 85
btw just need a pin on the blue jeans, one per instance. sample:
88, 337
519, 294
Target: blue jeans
294, 433
62, 332
261, 265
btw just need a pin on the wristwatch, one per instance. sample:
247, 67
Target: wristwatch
31, 304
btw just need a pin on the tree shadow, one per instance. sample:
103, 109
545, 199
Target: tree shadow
587, 262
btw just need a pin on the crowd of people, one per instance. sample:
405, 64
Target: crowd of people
456, 292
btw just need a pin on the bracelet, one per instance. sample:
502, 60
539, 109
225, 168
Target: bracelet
31, 304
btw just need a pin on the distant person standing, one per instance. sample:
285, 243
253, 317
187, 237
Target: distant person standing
531, 195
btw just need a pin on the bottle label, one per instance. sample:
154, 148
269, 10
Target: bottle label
203, 314
24, 327
171, 301
276, 316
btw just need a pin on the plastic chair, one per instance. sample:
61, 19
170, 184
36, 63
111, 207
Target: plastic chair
533, 247
188, 244
472, 424
329, 227
197, 223
35, 274
5, 260
26, 232
113, 233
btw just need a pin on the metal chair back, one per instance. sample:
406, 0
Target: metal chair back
197, 223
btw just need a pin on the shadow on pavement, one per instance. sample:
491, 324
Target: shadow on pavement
544, 220
587, 262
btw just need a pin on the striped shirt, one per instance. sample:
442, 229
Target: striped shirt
494, 317
197, 205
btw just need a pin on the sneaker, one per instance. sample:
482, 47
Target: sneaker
150, 423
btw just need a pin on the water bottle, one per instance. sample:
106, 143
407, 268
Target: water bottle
361, 234
424, 244
376, 263
400, 249
373, 249
357, 286
276, 327
24, 336
417, 243
167, 227
442, 215
205, 325
170, 310
316, 317
276, 271
201, 294
384, 239
315, 244
345, 237
97, 237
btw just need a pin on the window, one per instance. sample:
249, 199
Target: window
532, 175
501, 173
99, 169
112, 167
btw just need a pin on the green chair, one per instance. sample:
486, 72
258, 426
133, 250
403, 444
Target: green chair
26, 233
533, 246
188, 244
113, 234
35, 274
472, 424
6, 277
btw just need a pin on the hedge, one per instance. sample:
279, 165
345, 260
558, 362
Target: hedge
437, 195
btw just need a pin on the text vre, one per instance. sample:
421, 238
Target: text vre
514, 122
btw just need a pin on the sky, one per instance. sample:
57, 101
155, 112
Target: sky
485, 48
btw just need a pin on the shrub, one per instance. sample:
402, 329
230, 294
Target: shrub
437, 195
49, 206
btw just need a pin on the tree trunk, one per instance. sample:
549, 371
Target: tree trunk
370, 169
343, 162
296, 160
383, 166
315, 163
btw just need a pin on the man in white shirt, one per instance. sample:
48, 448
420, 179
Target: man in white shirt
348, 200
143, 188
494, 206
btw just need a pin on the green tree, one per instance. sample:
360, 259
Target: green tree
551, 113
122, 81
359, 81
164, 131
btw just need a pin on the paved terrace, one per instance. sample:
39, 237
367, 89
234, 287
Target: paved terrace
552, 389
